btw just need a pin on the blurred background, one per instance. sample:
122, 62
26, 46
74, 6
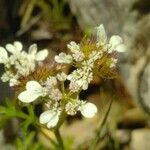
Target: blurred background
54, 23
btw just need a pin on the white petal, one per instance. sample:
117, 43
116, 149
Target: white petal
121, 48
58, 59
50, 117
10, 48
101, 34
54, 120
45, 117
33, 85
3, 54
33, 49
85, 86
27, 96
41, 55
89, 110
18, 45
115, 40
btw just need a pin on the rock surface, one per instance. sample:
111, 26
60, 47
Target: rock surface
140, 139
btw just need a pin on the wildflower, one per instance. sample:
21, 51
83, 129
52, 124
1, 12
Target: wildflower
71, 108
63, 58
74, 87
13, 82
50, 117
7, 76
101, 35
33, 91
115, 42
55, 94
88, 110
38, 56
51, 82
61, 76
3, 55
14, 48
79, 56
74, 47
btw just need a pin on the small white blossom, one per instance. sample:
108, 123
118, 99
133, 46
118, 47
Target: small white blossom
13, 81
79, 56
74, 47
51, 82
7, 76
70, 108
74, 87
3, 55
116, 44
101, 35
14, 48
55, 94
50, 117
95, 55
88, 110
63, 58
61, 76
33, 91
21, 62
38, 56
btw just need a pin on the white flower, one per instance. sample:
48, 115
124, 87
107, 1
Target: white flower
79, 56
55, 94
51, 82
74, 47
74, 87
33, 91
14, 48
101, 35
50, 117
61, 76
3, 55
88, 110
116, 44
38, 56
7, 76
14, 81
70, 108
63, 58
83, 84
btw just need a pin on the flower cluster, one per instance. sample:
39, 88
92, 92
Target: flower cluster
18, 62
60, 91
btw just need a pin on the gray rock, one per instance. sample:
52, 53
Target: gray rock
140, 139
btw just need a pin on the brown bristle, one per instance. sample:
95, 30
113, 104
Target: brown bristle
103, 69
40, 74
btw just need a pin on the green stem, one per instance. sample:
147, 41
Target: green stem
59, 139
95, 141
48, 137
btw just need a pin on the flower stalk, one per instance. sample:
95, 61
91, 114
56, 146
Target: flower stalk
59, 139
97, 138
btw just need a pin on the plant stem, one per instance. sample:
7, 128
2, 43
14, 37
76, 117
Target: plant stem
95, 141
59, 139
51, 140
